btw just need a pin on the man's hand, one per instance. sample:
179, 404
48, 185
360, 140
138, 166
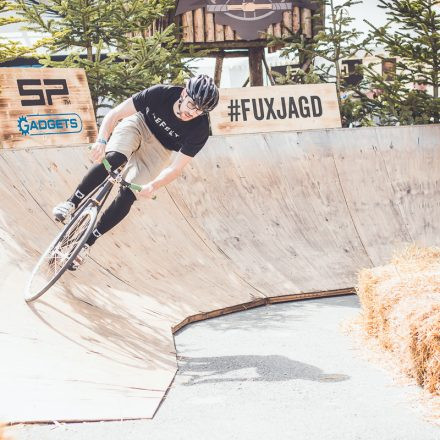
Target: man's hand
147, 191
98, 151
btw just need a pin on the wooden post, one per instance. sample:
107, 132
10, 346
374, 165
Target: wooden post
199, 26
255, 66
306, 22
219, 32
287, 23
218, 69
188, 27
210, 28
229, 33
270, 29
296, 19
277, 30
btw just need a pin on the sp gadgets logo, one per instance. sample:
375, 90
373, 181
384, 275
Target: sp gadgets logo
42, 93
39, 125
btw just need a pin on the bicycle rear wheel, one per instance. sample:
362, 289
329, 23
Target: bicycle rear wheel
60, 253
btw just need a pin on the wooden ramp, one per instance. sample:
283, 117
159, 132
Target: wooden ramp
255, 219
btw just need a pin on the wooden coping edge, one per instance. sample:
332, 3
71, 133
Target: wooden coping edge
261, 302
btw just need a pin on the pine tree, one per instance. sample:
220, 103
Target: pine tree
411, 36
104, 38
9, 50
336, 41
339, 40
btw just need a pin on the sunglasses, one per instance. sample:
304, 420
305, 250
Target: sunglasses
191, 105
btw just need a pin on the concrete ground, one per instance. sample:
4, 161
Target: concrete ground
286, 371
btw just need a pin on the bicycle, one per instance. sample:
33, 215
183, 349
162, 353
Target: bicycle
60, 254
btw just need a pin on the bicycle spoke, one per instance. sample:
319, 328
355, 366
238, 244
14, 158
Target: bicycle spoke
71, 240
52, 263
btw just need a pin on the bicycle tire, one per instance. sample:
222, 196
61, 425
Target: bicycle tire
39, 282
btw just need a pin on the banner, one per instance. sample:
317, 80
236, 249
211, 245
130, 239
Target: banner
276, 108
44, 107
247, 18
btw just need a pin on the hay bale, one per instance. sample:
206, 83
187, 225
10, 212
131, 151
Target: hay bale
401, 310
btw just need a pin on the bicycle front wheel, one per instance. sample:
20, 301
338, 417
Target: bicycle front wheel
61, 252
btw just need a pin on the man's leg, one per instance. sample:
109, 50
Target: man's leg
96, 175
117, 210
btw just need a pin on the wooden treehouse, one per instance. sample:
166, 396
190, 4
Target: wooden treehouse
205, 28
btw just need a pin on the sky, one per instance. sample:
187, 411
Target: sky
367, 10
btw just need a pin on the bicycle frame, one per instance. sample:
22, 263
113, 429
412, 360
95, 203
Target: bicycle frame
99, 195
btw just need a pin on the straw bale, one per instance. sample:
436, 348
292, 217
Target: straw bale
401, 310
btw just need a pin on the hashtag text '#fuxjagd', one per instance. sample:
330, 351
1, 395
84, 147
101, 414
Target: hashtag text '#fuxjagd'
269, 108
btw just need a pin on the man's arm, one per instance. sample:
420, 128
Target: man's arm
166, 176
121, 111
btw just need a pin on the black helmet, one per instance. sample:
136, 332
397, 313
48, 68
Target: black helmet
203, 91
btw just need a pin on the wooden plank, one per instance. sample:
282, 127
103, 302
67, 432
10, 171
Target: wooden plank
301, 107
319, 220
229, 54
229, 33
199, 26
59, 110
270, 29
188, 27
306, 22
209, 27
296, 19
395, 208
287, 23
219, 32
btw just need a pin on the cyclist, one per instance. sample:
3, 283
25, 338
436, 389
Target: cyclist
155, 123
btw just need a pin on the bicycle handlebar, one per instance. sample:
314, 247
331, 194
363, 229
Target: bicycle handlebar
132, 186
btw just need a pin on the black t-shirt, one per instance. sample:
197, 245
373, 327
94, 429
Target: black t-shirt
156, 104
